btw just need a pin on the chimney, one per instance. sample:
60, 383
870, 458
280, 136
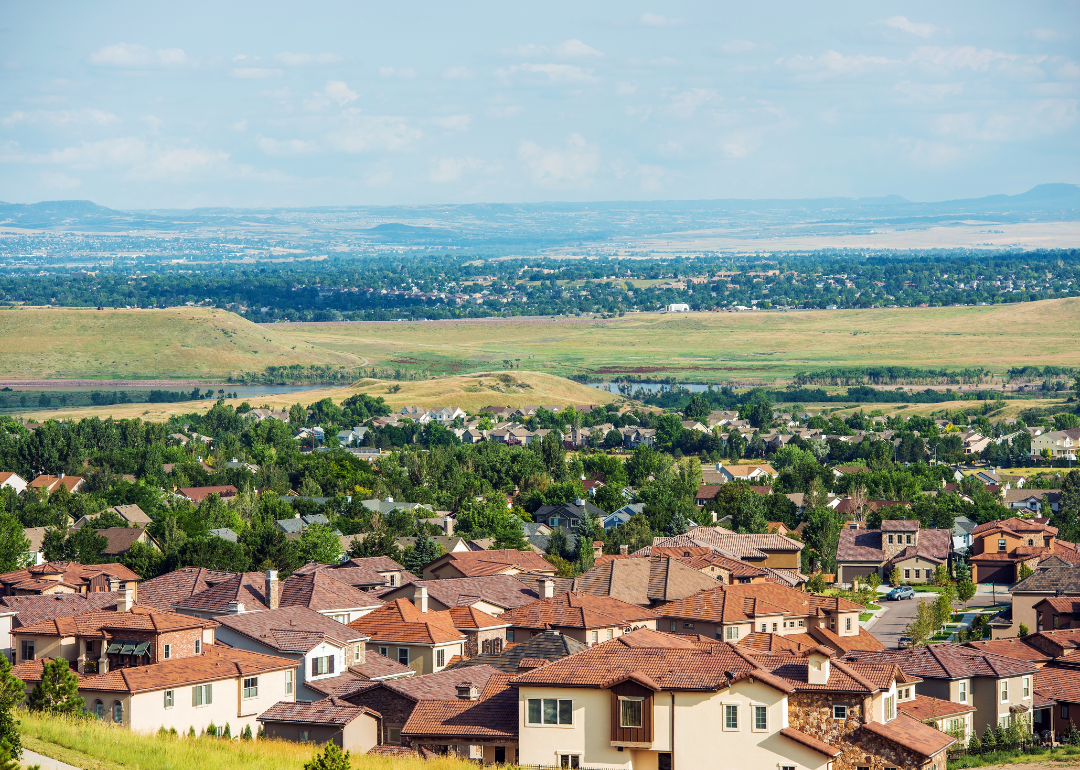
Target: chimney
124, 602
579, 502
817, 668
468, 691
624, 550
719, 466
389, 499
272, 590
236, 608
419, 598
714, 517
61, 474
114, 583
547, 588
448, 526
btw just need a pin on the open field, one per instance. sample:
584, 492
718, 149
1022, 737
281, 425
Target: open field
1012, 408
717, 347
201, 343
471, 393
100, 746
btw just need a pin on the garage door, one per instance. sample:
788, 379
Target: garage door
850, 573
1000, 575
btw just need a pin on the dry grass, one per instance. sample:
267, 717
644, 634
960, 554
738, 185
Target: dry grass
471, 393
1012, 408
179, 342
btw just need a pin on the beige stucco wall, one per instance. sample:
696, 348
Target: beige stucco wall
421, 659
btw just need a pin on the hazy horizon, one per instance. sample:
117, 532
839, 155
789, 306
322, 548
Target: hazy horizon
263, 106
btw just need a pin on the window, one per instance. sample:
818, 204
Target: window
289, 682
28, 649
117, 711
403, 655
909, 539
1004, 690
393, 579
1064, 710
303, 736
549, 711
440, 658
839, 712
802, 623
731, 717
509, 635
764, 627
774, 628
674, 625
732, 633
99, 709
963, 692
570, 760
358, 652
890, 708
168, 651
168, 699
917, 574
1027, 687
1030, 541
1001, 546
198, 646
393, 734
761, 718
385, 652
907, 574
251, 687
630, 712
324, 664
610, 634
890, 539
787, 767
847, 624
202, 695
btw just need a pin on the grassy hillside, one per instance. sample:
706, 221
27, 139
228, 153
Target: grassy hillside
179, 342
100, 746
468, 392
721, 346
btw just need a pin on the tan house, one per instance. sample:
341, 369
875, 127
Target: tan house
69, 577
956, 719
479, 724
354, 728
721, 474
493, 594
653, 700
1062, 444
1000, 547
772, 551
132, 514
50, 484
588, 619
1053, 579
899, 544
13, 480
408, 633
479, 563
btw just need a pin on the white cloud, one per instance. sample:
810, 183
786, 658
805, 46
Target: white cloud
256, 73
121, 151
574, 49
665, 61
912, 28
62, 118
373, 133
153, 122
656, 20
180, 161
338, 91
671, 149
928, 93
53, 180
397, 72
685, 104
454, 122
452, 169
458, 73
737, 47
307, 59
625, 88
1021, 122
835, 64
1048, 35
284, 148
528, 51
127, 56
740, 145
239, 126
504, 111
556, 73
574, 166
963, 56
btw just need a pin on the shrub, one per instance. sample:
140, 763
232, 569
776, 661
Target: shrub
332, 758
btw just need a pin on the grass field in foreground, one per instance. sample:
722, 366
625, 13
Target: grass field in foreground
715, 347
184, 343
97, 745
472, 393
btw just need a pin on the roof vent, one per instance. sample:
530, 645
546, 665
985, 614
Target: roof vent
467, 691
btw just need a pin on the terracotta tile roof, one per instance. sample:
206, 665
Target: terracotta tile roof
478, 563
322, 592
400, 621
49, 482
1058, 683
493, 716
1062, 604
643, 580
576, 609
702, 557
442, 685
772, 642
1016, 525
100, 624
731, 543
31, 671
532, 580
472, 619
746, 601
505, 591
290, 629
329, 711
864, 640
947, 661
359, 572
376, 666
912, 734
1021, 649
166, 591
785, 577
810, 742
72, 573
33, 609
924, 707
244, 587
198, 494
793, 668
215, 663
544, 647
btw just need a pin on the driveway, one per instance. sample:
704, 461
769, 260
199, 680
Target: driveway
889, 627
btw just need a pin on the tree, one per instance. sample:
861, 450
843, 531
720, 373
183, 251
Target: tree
816, 584
58, 690
873, 580
54, 545
613, 439
320, 543
698, 409
558, 544
332, 758
749, 517
12, 693
941, 575
1023, 630
144, 560
894, 577
380, 542
922, 626
965, 589
424, 551
14, 545
942, 607
1025, 571
822, 534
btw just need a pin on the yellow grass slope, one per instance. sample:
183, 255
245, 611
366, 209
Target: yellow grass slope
178, 342
470, 393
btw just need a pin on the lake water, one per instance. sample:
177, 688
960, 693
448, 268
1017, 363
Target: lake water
648, 387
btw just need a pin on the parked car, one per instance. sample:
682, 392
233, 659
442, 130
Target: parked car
900, 592
904, 642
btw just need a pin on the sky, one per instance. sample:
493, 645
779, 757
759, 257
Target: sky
254, 104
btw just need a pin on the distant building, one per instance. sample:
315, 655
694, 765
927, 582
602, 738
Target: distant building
678, 308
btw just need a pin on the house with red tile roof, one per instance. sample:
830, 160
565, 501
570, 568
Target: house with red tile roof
493, 594
953, 718
353, 728
899, 544
412, 635
198, 494
69, 577
479, 563
50, 484
1000, 547
480, 723
588, 619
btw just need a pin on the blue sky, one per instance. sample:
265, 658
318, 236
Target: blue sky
137, 105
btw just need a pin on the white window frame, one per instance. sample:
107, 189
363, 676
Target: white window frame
641, 711
963, 692
440, 658
358, 652
890, 708
1004, 690
1027, 687
731, 633
168, 651
730, 709
198, 646
756, 710
573, 759
558, 712
836, 711
169, 699
289, 682
384, 651
250, 687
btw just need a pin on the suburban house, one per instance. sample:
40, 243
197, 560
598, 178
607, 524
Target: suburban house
478, 563
773, 551
16, 611
352, 437
568, 515
721, 474
119, 540
198, 494
1039, 648
68, 577
353, 728
219, 685
410, 634
649, 699
645, 581
1053, 579
1057, 690
537, 651
389, 505
13, 480
1062, 444
47, 483
1041, 502
724, 569
480, 724
956, 719
588, 619
132, 514
899, 544
731, 613
999, 688
322, 648
493, 594
961, 532
1000, 547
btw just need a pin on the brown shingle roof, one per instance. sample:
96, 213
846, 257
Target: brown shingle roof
643, 580
170, 589
1021, 649
321, 591
575, 609
102, 623
477, 563
864, 640
947, 661
442, 685
544, 647
120, 539
33, 609
1016, 526
505, 591
198, 494
290, 629
244, 587
731, 543
912, 734
924, 707
329, 711
810, 742
746, 601
1058, 683
70, 572
400, 621
493, 717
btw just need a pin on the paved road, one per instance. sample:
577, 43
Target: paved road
890, 626
30, 758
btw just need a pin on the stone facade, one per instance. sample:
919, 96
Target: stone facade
394, 707
484, 642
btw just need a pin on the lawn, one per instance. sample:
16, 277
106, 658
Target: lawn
1068, 755
96, 745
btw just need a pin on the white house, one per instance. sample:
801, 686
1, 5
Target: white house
680, 307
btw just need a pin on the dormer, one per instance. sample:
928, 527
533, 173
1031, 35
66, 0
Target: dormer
817, 667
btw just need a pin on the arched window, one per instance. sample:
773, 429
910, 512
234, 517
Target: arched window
117, 711
99, 709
